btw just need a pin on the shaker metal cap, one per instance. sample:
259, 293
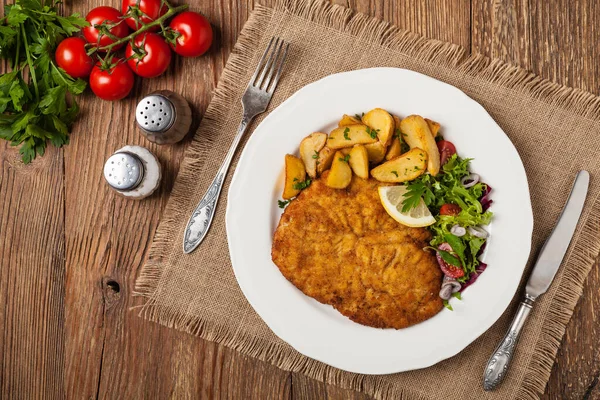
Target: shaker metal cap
123, 171
155, 113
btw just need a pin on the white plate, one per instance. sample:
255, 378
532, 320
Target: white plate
317, 330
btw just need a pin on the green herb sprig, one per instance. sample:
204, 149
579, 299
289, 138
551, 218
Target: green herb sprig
37, 99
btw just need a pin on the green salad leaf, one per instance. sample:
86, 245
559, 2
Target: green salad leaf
447, 188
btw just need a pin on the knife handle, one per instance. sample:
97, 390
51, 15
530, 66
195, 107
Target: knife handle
497, 365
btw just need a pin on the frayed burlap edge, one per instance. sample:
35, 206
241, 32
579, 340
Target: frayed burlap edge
576, 267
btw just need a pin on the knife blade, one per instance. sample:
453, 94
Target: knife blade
556, 245
545, 268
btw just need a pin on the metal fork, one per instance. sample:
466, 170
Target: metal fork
254, 101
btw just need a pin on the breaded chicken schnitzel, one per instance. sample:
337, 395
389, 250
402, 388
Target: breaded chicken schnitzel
343, 249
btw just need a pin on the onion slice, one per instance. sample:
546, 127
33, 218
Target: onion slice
458, 230
478, 232
470, 180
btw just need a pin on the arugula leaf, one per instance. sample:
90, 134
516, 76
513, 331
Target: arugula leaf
447, 305
457, 246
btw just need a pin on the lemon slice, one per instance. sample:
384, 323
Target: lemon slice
392, 198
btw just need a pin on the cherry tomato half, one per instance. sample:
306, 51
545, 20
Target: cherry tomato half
151, 9
449, 270
446, 149
155, 55
450, 209
99, 15
112, 84
195, 32
71, 56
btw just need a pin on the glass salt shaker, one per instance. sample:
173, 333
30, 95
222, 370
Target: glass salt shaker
133, 172
164, 117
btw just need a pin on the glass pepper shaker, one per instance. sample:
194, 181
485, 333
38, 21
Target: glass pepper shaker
164, 117
133, 172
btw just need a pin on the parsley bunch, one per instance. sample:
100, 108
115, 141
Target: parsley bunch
37, 99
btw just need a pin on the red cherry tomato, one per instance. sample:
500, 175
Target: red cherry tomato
450, 209
113, 84
449, 270
446, 149
112, 16
71, 56
155, 55
151, 9
195, 32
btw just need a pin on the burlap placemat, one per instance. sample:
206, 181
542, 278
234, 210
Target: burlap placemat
555, 129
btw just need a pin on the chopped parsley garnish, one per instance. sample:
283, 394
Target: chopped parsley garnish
346, 158
283, 203
302, 185
316, 155
359, 117
346, 131
372, 132
395, 173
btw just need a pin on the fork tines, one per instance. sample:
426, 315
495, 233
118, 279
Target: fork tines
276, 52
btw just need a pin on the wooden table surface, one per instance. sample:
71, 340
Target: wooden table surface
70, 249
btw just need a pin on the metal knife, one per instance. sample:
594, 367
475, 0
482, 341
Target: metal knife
543, 273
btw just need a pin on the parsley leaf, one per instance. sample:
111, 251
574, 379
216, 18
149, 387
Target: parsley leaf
302, 185
416, 190
371, 132
346, 158
316, 155
395, 173
346, 131
283, 203
37, 99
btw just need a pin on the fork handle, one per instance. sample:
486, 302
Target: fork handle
199, 223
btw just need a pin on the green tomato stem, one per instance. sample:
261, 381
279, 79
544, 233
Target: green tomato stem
172, 11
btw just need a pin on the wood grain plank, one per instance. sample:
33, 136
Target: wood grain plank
501, 30
447, 20
31, 275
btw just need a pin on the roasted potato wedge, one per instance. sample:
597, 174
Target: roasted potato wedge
434, 127
309, 151
348, 120
394, 150
376, 152
382, 122
417, 134
346, 150
406, 167
348, 136
325, 158
359, 161
340, 174
294, 172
